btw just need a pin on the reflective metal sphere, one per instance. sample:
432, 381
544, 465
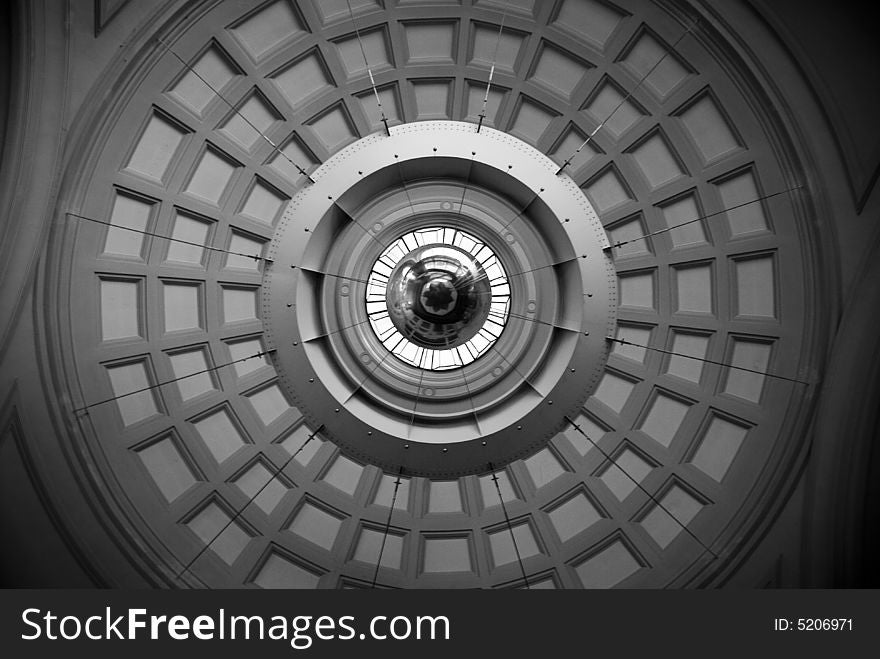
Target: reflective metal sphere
438, 296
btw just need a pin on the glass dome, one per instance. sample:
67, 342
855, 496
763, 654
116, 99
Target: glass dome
441, 304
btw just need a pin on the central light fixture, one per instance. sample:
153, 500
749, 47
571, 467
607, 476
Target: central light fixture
438, 298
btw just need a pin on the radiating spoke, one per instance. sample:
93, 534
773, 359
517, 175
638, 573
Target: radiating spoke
640, 487
623, 101
255, 257
237, 111
509, 526
706, 361
239, 512
621, 243
85, 408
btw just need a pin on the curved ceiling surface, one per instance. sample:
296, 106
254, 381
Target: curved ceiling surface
657, 459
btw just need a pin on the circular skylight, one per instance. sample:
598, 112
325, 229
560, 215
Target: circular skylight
438, 298
424, 307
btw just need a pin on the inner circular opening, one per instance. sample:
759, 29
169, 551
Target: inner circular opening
438, 298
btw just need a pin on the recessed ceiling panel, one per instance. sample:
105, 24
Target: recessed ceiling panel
573, 516
648, 57
120, 308
219, 433
709, 129
316, 525
280, 572
371, 543
344, 474
558, 71
666, 520
192, 373
593, 20
227, 537
169, 469
607, 191
690, 350
210, 75
719, 445
736, 192
131, 213
611, 108
614, 391
490, 493
259, 483
447, 554
188, 235
271, 26
682, 218
302, 80
130, 383
664, 417
156, 148
249, 122
430, 42
269, 403
502, 544
608, 567
625, 475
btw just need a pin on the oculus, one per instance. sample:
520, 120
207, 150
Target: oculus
438, 298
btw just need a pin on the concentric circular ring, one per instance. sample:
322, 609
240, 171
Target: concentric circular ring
556, 307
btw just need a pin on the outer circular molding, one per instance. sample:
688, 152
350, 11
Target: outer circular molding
107, 452
563, 299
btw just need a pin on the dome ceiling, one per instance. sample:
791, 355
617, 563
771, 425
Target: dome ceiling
250, 193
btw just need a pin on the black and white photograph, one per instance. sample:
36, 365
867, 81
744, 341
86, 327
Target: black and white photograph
449, 295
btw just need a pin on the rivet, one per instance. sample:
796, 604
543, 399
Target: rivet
360, 172
406, 446
473, 153
369, 432
435, 149
484, 443
292, 265
586, 334
571, 369
566, 220
311, 379
336, 410
589, 295
549, 402
296, 343
289, 304
519, 427
446, 450
541, 190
